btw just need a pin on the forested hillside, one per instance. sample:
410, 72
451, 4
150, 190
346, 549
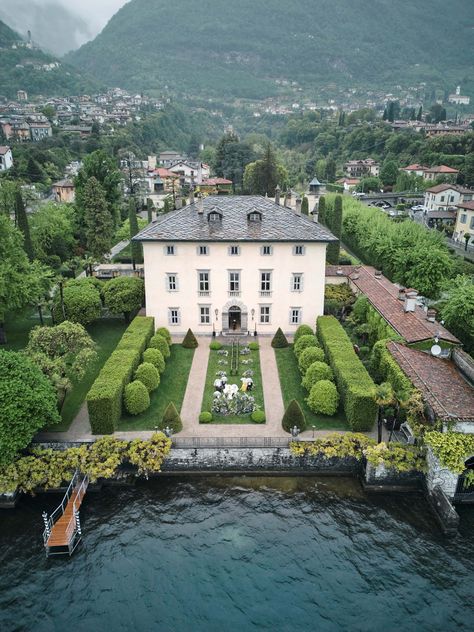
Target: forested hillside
19, 70
241, 48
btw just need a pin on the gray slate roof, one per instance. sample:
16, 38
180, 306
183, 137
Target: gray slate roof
278, 223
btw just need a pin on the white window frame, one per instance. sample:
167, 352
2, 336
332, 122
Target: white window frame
294, 277
471, 224
202, 283
298, 250
463, 218
292, 316
265, 314
265, 281
235, 281
169, 275
234, 251
170, 250
172, 317
203, 250
268, 248
203, 315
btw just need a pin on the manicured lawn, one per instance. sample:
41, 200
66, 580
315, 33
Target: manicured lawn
171, 389
19, 324
214, 366
291, 388
106, 333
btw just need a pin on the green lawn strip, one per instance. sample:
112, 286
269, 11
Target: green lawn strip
291, 388
106, 334
214, 366
171, 389
19, 324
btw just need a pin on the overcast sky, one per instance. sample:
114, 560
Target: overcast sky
96, 13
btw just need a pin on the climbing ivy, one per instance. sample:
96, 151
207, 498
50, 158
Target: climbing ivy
452, 449
396, 456
349, 444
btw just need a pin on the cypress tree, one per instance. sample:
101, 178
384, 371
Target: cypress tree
22, 223
279, 340
305, 206
149, 210
190, 341
98, 224
322, 210
294, 416
135, 247
171, 419
332, 254
420, 113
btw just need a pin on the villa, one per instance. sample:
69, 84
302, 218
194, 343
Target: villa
234, 265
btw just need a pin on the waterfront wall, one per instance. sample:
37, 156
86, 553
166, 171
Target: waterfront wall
439, 476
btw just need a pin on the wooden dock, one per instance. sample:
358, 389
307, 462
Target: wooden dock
62, 532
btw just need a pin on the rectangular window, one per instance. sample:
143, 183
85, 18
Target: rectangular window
463, 219
234, 281
266, 250
264, 314
172, 282
295, 315
451, 199
298, 250
203, 250
234, 250
297, 282
442, 198
265, 281
471, 225
204, 314
170, 249
174, 317
204, 281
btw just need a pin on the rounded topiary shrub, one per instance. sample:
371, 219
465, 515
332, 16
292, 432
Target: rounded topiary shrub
155, 357
294, 416
303, 330
316, 372
162, 331
136, 397
304, 342
253, 346
215, 345
190, 340
258, 417
279, 340
323, 398
171, 419
148, 374
158, 342
308, 356
205, 417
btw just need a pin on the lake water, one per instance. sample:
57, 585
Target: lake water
239, 554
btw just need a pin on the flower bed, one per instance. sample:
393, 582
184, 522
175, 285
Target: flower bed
232, 405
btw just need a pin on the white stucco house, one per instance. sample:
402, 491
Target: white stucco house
234, 265
6, 158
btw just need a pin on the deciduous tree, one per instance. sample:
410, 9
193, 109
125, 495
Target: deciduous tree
124, 295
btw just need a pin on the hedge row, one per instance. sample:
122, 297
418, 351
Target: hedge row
104, 400
355, 385
386, 369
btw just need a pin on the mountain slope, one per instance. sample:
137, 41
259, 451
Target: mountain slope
223, 48
23, 68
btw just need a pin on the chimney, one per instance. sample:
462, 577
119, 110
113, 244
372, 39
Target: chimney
315, 215
298, 206
410, 300
401, 294
378, 274
179, 203
287, 201
277, 195
191, 196
200, 204
431, 315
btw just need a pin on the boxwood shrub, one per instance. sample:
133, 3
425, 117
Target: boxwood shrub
162, 331
158, 342
215, 345
104, 399
148, 374
155, 357
253, 346
258, 417
303, 330
303, 343
317, 371
136, 397
323, 398
308, 356
355, 386
205, 417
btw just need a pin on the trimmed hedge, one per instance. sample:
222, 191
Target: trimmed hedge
308, 357
104, 399
386, 369
162, 331
293, 416
323, 398
253, 346
317, 371
258, 416
190, 340
354, 384
171, 418
205, 417
303, 330
148, 375
136, 397
303, 343
215, 345
279, 340
158, 342
155, 357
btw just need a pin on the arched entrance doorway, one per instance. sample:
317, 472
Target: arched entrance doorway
235, 318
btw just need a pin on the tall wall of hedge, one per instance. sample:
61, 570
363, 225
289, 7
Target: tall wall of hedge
355, 385
104, 400
386, 369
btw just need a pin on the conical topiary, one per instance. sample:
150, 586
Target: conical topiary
189, 341
294, 416
279, 340
171, 419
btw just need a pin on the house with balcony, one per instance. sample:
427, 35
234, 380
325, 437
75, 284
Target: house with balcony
234, 265
362, 168
445, 197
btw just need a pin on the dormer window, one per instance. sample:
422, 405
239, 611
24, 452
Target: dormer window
214, 215
254, 216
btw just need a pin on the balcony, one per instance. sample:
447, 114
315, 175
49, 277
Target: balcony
265, 293
204, 292
234, 293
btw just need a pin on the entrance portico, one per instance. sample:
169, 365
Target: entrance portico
234, 318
